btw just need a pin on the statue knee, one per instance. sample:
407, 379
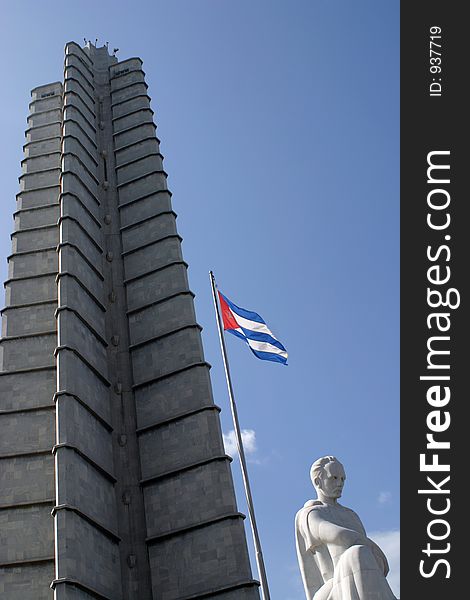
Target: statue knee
357, 551
359, 556
324, 592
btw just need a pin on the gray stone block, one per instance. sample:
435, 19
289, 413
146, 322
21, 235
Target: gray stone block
156, 286
31, 181
25, 241
150, 230
75, 334
30, 319
26, 479
43, 132
30, 352
78, 427
37, 218
45, 161
73, 145
42, 147
72, 207
135, 134
85, 488
131, 119
145, 164
72, 184
33, 263
45, 116
161, 318
72, 113
83, 104
137, 150
73, 86
46, 90
74, 48
72, 60
133, 76
148, 206
27, 432
158, 255
130, 64
180, 443
73, 233
87, 176
27, 390
173, 396
75, 377
27, 582
73, 296
26, 533
209, 488
73, 263
80, 75
136, 103
34, 198
73, 129
47, 103
24, 291
131, 91
69, 591
88, 555
166, 355
200, 561
147, 184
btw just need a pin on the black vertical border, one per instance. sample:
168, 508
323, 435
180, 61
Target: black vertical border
433, 123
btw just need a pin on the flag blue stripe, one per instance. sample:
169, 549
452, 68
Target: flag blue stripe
246, 314
237, 333
258, 336
262, 355
269, 356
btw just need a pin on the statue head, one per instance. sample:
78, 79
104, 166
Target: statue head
328, 477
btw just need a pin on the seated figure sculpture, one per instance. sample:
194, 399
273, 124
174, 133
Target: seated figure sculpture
337, 560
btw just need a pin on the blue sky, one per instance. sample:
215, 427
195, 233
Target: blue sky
279, 124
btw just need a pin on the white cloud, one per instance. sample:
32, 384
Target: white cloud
389, 541
248, 439
384, 497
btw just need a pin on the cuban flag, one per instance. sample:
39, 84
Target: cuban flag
249, 326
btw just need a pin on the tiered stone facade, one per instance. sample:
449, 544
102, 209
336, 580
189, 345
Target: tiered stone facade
114, 483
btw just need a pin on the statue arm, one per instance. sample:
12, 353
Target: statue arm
330, 533
376, 550
339, 538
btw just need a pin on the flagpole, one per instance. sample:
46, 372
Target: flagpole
241, 452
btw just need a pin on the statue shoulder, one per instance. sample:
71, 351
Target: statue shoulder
310, 505
313, 503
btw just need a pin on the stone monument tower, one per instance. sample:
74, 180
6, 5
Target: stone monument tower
114, 483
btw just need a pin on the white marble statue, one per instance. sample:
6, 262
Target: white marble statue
337, 560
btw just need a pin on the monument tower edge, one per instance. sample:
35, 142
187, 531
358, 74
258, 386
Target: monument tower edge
114, 482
